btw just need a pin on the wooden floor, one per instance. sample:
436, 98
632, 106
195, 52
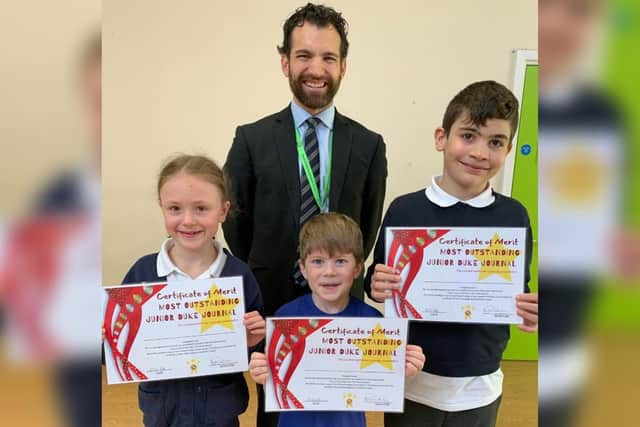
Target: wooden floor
519, 402
28, 398
611, 393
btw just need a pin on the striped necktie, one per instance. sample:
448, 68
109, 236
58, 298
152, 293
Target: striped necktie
308, 205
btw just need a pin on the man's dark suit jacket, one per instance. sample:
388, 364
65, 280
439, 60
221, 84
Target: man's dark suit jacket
262, 165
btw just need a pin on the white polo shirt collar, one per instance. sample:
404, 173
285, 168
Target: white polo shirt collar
166, 267
443, 199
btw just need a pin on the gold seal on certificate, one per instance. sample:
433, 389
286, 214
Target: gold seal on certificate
162, 331
335, 364
457, 274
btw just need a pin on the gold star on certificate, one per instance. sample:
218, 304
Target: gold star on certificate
377, 348
494, 261
216, 309
578, 177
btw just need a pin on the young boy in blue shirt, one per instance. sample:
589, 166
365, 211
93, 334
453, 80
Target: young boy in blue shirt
331, 258
461, 382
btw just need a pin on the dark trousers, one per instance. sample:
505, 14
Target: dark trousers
560, 413
79, 386
418, 415
265, 419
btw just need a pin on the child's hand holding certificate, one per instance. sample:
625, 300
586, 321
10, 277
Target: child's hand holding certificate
335, 364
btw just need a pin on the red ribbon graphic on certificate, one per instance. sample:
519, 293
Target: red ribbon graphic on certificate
288, 339
124, 307
30, 274
406, 251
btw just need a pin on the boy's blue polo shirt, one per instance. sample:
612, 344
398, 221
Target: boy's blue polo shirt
304, 306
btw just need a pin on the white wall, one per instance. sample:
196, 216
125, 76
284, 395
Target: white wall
180, 76
43, 125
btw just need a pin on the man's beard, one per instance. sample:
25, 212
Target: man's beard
314, 101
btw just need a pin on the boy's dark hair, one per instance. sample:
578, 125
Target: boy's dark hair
334, 233
322, 17
483, 101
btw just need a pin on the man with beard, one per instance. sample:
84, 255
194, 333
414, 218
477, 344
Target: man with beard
278, 182
306, 159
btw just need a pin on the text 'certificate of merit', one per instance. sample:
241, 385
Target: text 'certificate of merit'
183, 329
335, 364
463, 274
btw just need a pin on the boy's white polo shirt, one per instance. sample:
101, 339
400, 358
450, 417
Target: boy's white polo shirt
455, 393
166, 267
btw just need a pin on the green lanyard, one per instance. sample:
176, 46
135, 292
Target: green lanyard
302, 156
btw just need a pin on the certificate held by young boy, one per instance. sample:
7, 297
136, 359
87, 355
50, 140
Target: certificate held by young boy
335, 364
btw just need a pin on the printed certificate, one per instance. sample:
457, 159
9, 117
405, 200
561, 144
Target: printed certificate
162, 331
461, 274
335, 364
579, 193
